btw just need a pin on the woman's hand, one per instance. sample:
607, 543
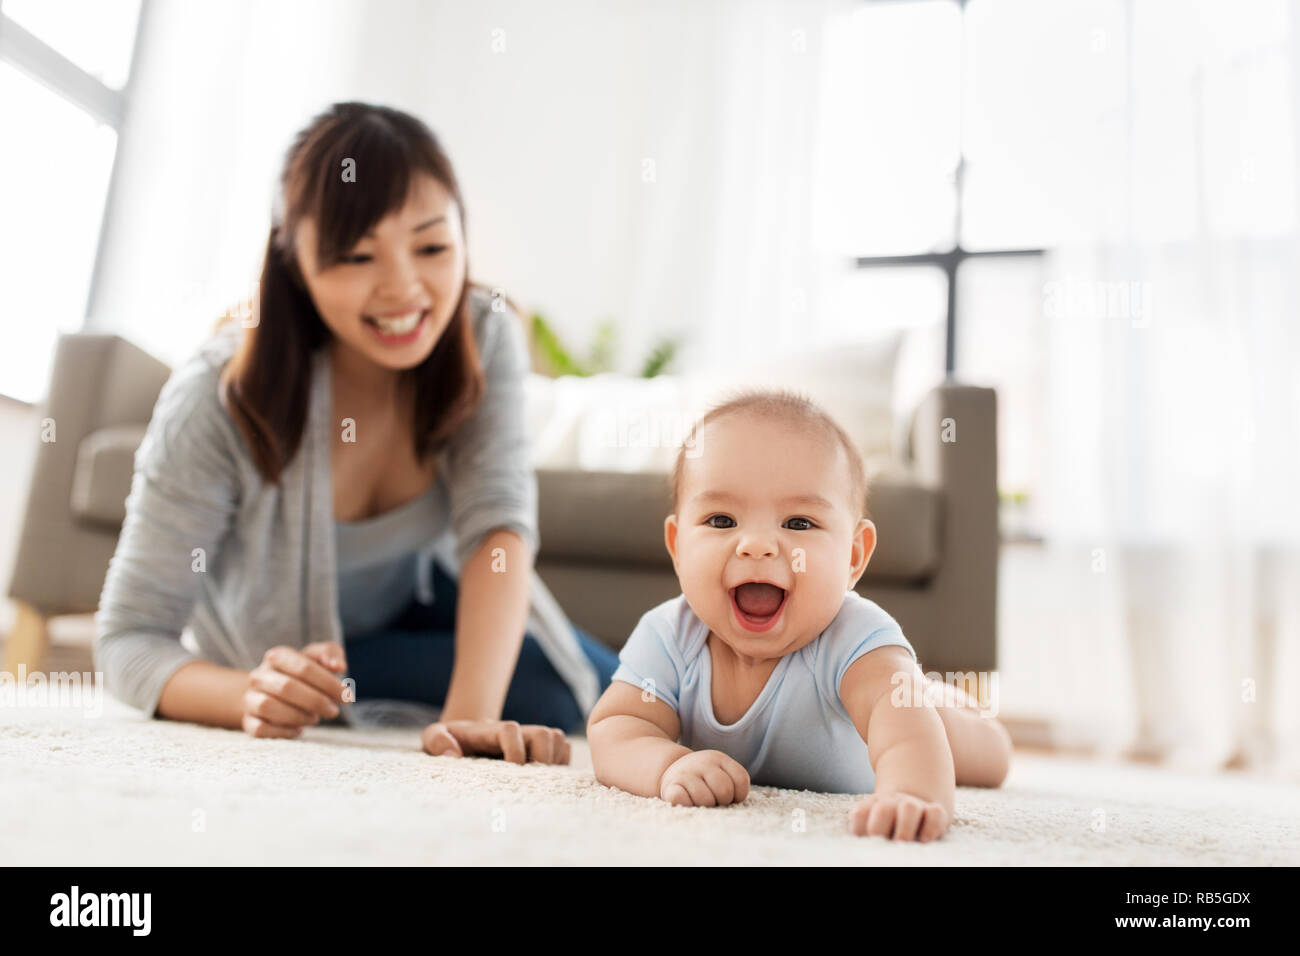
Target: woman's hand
292, 689
509, 739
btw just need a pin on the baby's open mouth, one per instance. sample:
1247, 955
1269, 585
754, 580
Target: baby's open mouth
758, 603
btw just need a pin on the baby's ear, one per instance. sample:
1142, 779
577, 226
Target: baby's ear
670, 537
864, 545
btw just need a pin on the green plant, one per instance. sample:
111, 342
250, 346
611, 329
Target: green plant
659, 358
553, 352
560, 360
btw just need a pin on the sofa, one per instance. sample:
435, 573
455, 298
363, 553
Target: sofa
602, 553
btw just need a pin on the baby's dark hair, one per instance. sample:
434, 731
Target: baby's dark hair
789, 407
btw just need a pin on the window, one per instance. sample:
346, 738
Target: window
64, 67
894, 127
968, 136
96, 35
1011, 128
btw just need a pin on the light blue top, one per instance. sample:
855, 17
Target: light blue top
379, 561
797, 733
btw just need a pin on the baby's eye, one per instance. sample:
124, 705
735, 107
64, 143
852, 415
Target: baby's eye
808, 525
710, 519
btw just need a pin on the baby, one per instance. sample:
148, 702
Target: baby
769, 666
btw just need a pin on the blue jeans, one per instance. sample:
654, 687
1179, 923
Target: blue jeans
411, 659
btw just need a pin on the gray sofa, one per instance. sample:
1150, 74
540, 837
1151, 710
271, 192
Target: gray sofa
602, 552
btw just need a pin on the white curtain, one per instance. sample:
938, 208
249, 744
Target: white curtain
727, 235
1171, 446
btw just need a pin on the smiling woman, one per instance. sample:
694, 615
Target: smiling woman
347, 250
351, 467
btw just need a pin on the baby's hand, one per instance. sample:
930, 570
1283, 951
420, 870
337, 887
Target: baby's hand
704, 778
906, 816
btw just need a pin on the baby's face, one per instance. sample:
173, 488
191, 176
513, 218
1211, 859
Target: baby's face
764, 502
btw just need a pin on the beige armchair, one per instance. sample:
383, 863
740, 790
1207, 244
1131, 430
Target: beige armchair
102, 392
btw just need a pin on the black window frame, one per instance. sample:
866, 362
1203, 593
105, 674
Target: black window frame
950, 260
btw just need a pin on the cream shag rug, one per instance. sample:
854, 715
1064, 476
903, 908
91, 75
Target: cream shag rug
118, 789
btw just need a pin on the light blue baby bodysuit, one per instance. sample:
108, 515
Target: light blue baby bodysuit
797, 733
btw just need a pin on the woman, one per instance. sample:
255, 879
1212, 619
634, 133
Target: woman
340, 485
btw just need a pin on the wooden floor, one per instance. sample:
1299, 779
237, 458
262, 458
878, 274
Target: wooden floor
19, 437
70, 645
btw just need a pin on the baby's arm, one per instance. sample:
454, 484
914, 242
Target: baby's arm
633, 741
907, 744
634, 747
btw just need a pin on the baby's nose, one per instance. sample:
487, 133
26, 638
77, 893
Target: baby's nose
757, 547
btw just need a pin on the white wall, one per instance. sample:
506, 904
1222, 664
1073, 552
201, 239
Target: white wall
549, 111
219, 90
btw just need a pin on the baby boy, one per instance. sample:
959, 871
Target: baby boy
769, 667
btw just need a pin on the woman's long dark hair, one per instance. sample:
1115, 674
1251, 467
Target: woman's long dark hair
267, 381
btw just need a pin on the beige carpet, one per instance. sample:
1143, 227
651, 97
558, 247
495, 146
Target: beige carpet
118, 789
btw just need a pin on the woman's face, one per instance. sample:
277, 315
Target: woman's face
390, 297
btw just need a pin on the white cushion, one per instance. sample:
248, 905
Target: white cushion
853, 383
613, 422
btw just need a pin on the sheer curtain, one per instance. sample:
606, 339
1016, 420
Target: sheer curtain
726, 211
1171, 446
